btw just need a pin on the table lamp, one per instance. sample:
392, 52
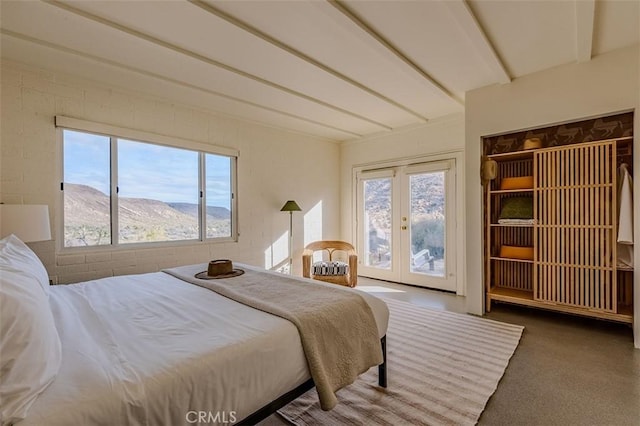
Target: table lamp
29, 222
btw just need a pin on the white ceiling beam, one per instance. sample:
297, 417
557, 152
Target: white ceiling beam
466, 19
346, 11
210, 8
146, 73
104, 21
585, 16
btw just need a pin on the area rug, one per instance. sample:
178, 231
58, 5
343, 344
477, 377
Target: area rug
442, 368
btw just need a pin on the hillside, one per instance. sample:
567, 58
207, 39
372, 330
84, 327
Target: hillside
213, 212
140, 219
427, 199
427, 207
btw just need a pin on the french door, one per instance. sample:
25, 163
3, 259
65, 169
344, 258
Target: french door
406, 224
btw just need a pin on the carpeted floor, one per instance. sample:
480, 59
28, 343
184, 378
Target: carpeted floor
442, 367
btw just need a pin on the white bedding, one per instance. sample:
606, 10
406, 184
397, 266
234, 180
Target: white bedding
187, 349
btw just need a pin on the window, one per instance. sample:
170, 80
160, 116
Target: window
119, 191
218, 195
87, 189
157, 193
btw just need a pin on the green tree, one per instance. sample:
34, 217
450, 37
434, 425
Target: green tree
428, 234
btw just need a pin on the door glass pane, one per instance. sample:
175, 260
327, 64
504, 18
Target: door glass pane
427, 214
377, 222
87, 194
158, 198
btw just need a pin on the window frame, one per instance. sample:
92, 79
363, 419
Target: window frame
114, 133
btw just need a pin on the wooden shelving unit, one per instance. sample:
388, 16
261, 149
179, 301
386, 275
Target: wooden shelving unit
504, 225
509, 259
510, 191
573, 234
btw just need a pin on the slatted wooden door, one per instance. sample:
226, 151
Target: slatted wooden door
574, 208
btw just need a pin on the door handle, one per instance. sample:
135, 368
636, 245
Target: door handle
403, 227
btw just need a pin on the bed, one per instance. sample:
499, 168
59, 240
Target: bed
155, 349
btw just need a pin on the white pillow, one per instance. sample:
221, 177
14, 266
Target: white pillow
16, 256
30, 350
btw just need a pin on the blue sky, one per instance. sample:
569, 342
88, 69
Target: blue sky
145, 170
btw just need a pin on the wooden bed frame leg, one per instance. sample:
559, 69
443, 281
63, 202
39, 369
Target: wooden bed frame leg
382, 368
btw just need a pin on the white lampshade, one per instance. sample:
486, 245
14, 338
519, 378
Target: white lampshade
29, 222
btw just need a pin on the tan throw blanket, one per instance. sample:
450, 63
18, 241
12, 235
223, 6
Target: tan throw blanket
337, 328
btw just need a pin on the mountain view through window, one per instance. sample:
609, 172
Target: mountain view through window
158, 191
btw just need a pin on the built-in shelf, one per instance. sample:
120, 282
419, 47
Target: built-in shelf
510, 156
509, 259
510, 191
510, 294
515, 280
522, 154
513, 225
525, 297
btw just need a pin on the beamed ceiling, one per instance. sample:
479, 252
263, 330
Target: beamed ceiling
334, 69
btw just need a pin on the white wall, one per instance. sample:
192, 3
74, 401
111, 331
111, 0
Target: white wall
274, 166
442, 135
607, 84
436, 136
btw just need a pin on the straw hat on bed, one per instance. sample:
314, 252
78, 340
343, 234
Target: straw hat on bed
220, 268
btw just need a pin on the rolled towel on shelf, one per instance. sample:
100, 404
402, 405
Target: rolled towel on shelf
516, 252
